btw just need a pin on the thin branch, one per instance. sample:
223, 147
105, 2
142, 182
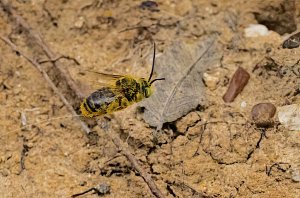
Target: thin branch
40, 42
100, 189
49, 81
60, 57
122, 147
24, 151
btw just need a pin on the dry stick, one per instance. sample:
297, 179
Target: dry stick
113, 136
123, 148
40, 42
49, 81
25, 149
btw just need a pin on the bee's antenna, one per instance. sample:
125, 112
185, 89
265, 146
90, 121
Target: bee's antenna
153, 63
156, 80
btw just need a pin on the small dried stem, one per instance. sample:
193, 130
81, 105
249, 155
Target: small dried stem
40, 42
122, 147
49, 81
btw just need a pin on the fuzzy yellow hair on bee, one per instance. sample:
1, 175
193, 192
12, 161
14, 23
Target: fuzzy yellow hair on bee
125, 91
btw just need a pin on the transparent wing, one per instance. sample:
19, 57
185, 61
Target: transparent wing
93, 80
104, 76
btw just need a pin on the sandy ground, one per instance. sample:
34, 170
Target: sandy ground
215, 151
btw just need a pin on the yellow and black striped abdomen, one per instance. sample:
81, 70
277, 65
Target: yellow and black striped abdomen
103, 101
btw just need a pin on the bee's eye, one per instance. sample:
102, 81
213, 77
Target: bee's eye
147, 92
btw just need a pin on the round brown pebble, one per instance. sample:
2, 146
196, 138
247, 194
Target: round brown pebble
263, 113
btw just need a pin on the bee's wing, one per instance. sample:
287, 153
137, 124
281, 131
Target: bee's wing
105, 76
96, 80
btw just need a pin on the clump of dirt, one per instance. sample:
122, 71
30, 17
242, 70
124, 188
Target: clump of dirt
216, 150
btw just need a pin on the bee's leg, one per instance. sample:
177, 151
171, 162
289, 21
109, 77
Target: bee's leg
118, 104
125, 103
113, 106
122, 102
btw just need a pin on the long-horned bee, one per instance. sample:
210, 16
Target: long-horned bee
125, 91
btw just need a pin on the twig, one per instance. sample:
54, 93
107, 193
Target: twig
49, 81
100, 189
60, 57
136, 27
24, 151
82, 193
123, 148
40, 42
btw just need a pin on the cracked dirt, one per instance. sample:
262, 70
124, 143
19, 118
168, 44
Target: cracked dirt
214, 151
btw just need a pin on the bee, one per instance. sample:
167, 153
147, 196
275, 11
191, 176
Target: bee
125, 91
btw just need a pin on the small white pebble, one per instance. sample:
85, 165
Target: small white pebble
80, 22
289, 116
256, 30
243, 104
211, 79
296, 176
23, 119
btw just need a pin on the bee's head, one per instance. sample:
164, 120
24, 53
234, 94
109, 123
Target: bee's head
146, 88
